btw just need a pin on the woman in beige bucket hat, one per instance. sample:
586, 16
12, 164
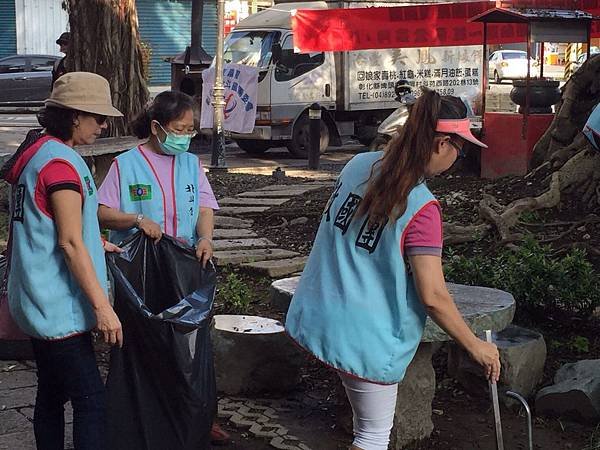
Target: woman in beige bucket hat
56, 275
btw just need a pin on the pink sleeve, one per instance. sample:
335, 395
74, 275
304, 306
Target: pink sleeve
423, 235
109, 193
207, 197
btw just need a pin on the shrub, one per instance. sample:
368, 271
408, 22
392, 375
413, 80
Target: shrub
536, 277
235, 294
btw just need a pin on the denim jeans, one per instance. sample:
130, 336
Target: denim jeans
67, 370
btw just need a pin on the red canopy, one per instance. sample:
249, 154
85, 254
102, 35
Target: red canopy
432, 25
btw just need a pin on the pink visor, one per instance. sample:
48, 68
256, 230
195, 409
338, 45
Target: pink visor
460, 127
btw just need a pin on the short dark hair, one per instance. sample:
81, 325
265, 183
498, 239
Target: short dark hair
58, 122
166, 107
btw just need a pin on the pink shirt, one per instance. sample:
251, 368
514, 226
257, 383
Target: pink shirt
109, 194
423, 235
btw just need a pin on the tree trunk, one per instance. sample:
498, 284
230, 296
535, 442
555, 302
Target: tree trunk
105, 40
573, 166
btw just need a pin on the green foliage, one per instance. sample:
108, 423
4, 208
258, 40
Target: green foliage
534, 275
234, 294
578, 344
529, 217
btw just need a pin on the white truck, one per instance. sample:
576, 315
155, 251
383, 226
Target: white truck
354, 89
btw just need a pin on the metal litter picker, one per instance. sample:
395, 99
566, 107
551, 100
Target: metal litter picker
496, 406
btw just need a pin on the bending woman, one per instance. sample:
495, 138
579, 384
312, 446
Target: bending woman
375, 270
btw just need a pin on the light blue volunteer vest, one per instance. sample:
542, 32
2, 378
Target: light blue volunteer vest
43, 296
356, 308
141, 193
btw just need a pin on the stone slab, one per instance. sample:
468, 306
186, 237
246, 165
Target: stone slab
17, 379
230, 244
240, 210
287, 187
21, 440
274, 194
11, 421
232, 222
278, 268
250, 201
482, 308
246, 256
233, 233
17, 398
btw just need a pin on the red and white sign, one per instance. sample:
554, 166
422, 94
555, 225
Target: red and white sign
433, 25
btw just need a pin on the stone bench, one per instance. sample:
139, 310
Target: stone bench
482, 308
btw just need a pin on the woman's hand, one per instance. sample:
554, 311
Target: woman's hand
204, 250
109, 325
109, 247
151, 229
486, 354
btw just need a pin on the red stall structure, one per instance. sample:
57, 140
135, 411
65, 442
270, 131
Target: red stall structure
511, 137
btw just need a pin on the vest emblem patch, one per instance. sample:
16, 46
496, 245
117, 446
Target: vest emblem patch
18, 203
139, 192
88, 185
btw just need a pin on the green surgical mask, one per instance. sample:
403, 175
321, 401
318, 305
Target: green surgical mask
175, 144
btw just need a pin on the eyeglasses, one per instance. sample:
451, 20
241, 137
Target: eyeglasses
100, 119
192, 134
459, 149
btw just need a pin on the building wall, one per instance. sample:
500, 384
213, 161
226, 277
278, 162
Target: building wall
39, 23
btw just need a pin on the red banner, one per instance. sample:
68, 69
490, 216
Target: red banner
433, 25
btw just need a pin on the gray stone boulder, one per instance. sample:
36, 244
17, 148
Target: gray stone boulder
522, 355
254, 355
575, 392
281, 292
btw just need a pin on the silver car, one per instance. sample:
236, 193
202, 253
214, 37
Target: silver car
510, 65
25, 79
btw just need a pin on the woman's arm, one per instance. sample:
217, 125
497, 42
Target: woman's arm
66, 206
204, 230
431, 287
114, 219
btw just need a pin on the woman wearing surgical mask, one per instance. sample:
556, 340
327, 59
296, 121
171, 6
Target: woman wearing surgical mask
158, 187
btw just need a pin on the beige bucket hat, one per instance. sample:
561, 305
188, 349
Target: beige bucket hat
83, 91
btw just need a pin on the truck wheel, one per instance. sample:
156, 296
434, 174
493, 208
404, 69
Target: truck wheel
300, 142
254, 146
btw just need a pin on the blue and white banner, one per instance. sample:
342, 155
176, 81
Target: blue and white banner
241, 89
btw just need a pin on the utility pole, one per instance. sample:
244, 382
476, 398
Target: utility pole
218, 139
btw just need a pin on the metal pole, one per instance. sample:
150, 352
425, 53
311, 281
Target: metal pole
542, 45
527, 84
314, 151
218, 139
495, 403
485, 75
520, 398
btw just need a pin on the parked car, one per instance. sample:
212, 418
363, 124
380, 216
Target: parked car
26, 79
510, 65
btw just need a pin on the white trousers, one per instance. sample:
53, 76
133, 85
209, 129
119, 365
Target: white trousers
373, 408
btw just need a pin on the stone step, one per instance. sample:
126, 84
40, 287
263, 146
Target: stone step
232, 222
226, 257
287, 187
240, 210
274, 194
233, 233
249, 201
279, 267
230, 244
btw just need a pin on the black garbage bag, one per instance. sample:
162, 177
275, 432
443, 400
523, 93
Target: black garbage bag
161, 384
